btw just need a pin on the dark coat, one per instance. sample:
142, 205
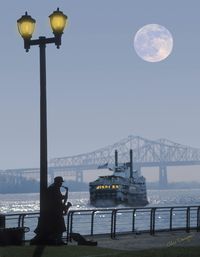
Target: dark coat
54, 210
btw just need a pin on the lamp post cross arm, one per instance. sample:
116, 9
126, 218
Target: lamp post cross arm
42, 41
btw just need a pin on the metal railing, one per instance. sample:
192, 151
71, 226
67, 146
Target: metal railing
133, 220
27, 221
116, 221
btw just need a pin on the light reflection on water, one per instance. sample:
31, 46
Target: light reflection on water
174, 197
12, 203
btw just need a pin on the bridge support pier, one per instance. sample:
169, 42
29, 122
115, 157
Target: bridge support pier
51, 175
79, 176
137, 167
163, 176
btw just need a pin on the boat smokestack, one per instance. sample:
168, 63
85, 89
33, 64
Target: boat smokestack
116, 160
131, 163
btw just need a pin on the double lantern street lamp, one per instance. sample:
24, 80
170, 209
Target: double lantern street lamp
26, 26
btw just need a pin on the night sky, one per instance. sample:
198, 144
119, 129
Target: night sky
99, 90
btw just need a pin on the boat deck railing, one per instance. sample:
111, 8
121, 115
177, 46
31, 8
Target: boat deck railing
114, 221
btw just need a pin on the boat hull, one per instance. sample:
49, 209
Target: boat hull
112, 199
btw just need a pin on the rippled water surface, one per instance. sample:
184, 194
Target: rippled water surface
12, 203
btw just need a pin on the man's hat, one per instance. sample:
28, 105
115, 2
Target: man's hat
58, 179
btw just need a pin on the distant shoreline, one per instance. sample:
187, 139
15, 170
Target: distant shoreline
174, 185
32, 186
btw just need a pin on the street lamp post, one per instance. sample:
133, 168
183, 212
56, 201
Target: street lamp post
26, 26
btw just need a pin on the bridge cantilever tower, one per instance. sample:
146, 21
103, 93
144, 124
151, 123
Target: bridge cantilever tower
146, 153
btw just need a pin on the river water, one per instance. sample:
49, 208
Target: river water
27, 203
15, 203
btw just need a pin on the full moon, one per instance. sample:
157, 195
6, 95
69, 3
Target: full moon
153, 43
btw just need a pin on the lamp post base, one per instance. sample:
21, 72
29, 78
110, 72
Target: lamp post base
44, 236
42, 240
41, 237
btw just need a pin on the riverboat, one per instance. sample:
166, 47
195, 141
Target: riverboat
125, 186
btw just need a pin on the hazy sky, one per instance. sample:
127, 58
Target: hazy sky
99, 90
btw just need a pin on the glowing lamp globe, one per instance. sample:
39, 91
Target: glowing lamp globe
26, 26
58, 21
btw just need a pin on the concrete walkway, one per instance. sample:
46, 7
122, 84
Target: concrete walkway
147, 241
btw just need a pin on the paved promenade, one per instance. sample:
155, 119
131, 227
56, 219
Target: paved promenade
147, 241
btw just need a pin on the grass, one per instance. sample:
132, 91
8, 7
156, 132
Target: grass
86, 251
54, 251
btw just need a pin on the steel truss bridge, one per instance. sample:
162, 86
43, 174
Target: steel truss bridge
160, 153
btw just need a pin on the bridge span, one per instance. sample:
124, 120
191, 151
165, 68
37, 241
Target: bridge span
160, 153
